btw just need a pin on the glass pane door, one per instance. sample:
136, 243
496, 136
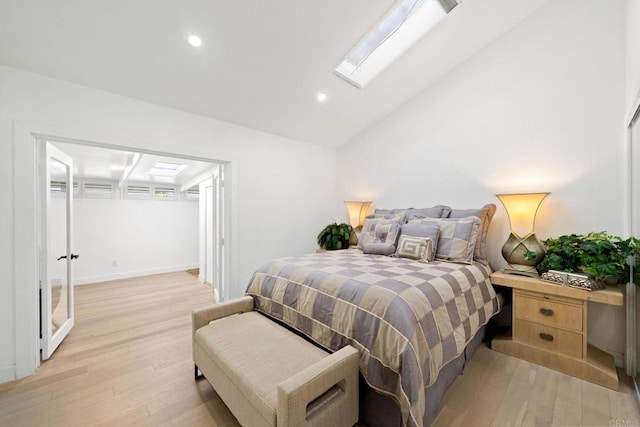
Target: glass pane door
56, 266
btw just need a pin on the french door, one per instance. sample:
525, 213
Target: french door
55, 245
633, 297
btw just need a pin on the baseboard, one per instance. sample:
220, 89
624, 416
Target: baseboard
131, 274
618, 358
7, 374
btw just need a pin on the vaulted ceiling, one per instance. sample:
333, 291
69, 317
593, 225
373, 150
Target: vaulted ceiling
261, 63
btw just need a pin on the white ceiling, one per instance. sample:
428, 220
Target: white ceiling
261, 63
103, 163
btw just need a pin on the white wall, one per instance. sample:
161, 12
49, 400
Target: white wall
633, 52
540, 109
141, 236
283, 191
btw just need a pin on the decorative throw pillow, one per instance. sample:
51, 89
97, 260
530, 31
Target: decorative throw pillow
457, 237
379, 248
485, 214
368, 233
383, 239
419, 248
430, 231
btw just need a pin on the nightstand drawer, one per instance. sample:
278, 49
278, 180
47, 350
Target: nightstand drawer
549, 338
549, 312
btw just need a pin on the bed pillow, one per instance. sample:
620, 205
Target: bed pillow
430, 231
390, 211
485, 214
439, 211
379, 248
397, 214
379, 236
420, 249
457, 237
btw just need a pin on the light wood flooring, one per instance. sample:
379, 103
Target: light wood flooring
128, 362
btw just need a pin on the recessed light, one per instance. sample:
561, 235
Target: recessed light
321, 96
194, 40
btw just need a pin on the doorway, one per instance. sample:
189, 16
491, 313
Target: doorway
110, 183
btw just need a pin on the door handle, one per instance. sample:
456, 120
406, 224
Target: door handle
65, 257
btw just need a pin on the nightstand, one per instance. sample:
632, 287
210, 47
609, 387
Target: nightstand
549, 328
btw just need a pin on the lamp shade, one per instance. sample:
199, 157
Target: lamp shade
357, 212
522, 210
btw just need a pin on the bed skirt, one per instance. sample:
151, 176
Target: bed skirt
377, 410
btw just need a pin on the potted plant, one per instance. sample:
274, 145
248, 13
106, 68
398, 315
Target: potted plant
335, 236
601, 256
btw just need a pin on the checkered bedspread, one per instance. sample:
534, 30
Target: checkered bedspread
406, 318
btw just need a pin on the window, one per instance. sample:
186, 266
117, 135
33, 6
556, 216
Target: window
407, 23
151, 191
59, 188
168, 193
98, 189
192, 193
137, 191
166, 169
88, 188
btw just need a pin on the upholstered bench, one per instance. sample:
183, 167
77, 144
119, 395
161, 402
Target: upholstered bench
268, 375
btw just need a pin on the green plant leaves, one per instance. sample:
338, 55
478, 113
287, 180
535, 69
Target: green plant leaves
600, 255
335, 236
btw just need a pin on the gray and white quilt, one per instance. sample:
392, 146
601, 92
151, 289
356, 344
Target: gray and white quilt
407, 319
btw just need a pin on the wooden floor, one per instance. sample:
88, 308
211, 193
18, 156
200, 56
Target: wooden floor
128, 362
500, 390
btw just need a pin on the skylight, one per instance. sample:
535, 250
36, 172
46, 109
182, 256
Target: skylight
409, 21
166, 169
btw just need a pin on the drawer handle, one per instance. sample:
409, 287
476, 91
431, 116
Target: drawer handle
546, 337
546, 312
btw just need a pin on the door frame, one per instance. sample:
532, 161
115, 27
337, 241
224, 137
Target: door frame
25, 219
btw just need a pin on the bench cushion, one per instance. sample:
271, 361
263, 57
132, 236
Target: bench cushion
257, 354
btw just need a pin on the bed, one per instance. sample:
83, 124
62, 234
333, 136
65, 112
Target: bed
414, 323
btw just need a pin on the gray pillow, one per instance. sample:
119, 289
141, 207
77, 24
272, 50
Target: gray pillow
439, 211
420, 249
379, 248
430, 231
390, 211
485, 214
397, 214
457, 237
380, 230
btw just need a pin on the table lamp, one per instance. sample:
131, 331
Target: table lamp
522, 250
357, 212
